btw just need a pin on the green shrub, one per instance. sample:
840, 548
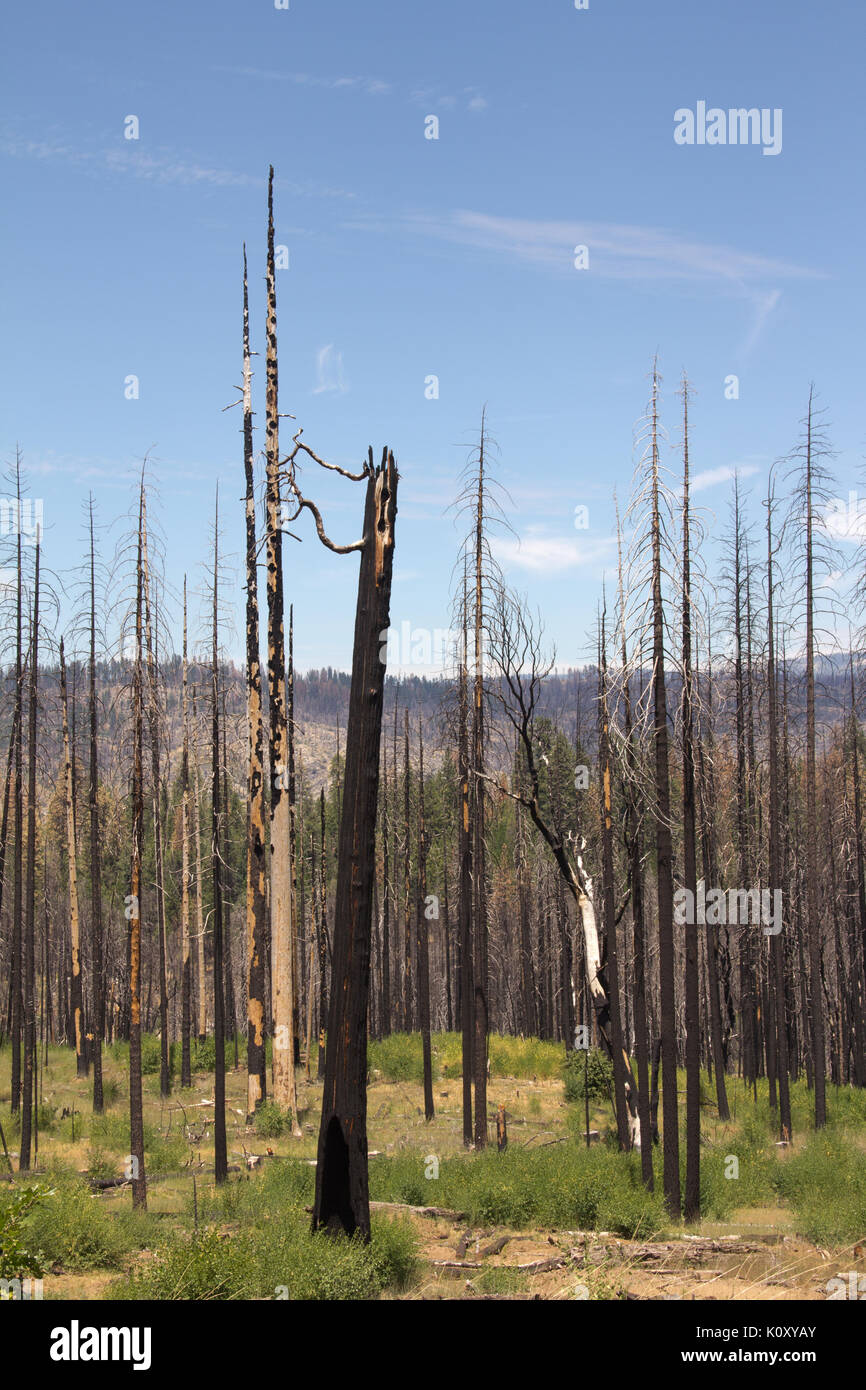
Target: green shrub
825, 1185
100, 1164
77, 1232
278, 1259
269, 1121
20, 1254
561, 1186
592, 1071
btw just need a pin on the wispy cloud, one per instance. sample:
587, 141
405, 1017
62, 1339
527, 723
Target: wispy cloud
616, 250
764, 304
161, 165
544, 554
329, 371
370, 86
711, 477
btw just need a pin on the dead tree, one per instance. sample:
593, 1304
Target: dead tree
423, 938
777, 954
17, 973
133, 900
282, 950
219, 1128
606, 771
76, 994
199, 887
652, 555
256, 902
690, 868
519, 669
342, 1194
28, 1096
811, 496
153, 727
97, 1024
186, 948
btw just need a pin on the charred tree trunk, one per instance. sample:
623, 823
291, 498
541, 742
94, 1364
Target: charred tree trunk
28, 1097
96, 935
153, 723
423, 939
219, 1127
256, 902
282, 950
342, 1193
664, 853
133, 901
186, 945
467, 987
692, 1207
76, 993
775, 855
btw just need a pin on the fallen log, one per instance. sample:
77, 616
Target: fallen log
444, 1212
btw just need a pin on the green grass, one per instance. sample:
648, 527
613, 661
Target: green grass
76, 1232
399, 1057
280, 1260
563, 1186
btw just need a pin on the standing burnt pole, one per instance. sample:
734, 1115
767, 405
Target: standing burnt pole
342, 1194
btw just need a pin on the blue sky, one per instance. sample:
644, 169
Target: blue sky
412, 257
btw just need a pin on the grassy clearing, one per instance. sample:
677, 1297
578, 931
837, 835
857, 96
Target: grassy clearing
251, 1239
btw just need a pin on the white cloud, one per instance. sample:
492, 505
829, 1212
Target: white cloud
711, 477
161, 166
616, 250
553, 554
370, 86
329, 371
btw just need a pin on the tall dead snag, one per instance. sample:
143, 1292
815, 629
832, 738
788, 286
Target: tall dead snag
706, 808
690, 866
652, 560
664, 847
293, 839
97, 1025
520, 671
186, 952
199, 895
604, 758
28, 1097
738, 579
219, 1125
777, 953
342, 1195
423, 937
323, 941
408, 1011
633, 842
282, 984
133, 900
385, 1002
17, 979
857, 947
153, 729
808, 509
479, 871
464, 840
256, 904
478, 500
75, 1000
